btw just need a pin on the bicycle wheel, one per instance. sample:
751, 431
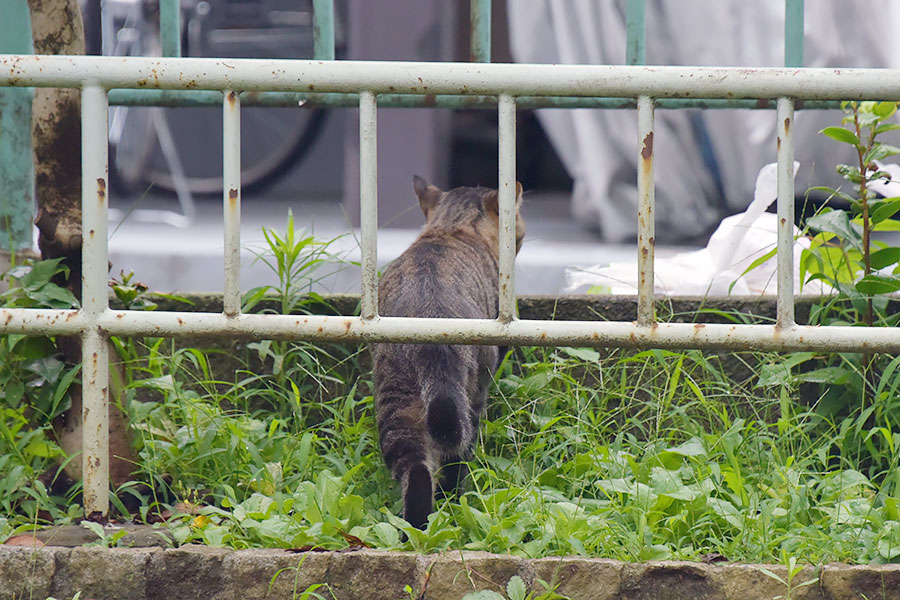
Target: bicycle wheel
121, 28
272, 139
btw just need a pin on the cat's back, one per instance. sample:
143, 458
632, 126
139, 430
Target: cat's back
441, 276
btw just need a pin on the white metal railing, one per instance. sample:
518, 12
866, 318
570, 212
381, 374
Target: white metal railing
95, 76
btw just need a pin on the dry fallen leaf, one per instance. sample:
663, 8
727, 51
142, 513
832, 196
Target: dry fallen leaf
24, 540
355, 542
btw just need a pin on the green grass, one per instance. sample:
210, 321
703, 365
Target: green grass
633, 456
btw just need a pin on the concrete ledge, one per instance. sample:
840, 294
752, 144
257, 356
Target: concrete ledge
196, 572
573, 307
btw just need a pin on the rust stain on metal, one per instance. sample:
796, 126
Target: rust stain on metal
180, 321
699, 326
232, 97
645, 251
347, 326
652, 241
91, 233
783, 220
8, 319
320, 329
778, 142
232, 194
647, 148
119, 316
787, 124
101, 189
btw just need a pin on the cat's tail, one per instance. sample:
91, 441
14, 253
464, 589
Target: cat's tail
447, 412
404, 448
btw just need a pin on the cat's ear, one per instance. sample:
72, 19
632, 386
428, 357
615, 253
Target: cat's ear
491, 200
427, 194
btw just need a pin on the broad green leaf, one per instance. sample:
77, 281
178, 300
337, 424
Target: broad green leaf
884, 257
880, 152
585, 354
838, 223
780, 373
842, 135
879, 210
887, 225
832, 375
53, 296
40, 448
42, 271
483, 595
884, 109
515, 588
727, 511
885, 127
691, 448
873, 284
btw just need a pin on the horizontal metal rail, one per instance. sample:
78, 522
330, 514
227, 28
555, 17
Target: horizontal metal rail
192, 98
711, 336
450, 78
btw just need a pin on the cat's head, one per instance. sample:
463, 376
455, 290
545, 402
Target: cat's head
475, 207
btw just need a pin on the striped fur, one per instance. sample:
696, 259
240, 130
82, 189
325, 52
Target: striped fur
428, 397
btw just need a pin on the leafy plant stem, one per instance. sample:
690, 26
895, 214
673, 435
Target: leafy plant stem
861, 152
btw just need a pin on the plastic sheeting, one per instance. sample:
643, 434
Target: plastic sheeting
706, 161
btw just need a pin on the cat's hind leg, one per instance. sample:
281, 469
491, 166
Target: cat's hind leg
451, 476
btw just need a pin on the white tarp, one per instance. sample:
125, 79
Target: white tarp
705, 161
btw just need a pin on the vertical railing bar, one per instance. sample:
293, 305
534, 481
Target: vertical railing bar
506, 134
635, 53
646, 224
793, 33
785, 202
231, 170
94, 301
368, 202
480, 31
323, 29
170, 27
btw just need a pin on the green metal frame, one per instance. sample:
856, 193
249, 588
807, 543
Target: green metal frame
479, 50
16, 168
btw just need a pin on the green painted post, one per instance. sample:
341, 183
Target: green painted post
793, 33
323, 29
634, 30
170, 27
16, 170
480, 34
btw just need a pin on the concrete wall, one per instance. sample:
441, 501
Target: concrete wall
198, 573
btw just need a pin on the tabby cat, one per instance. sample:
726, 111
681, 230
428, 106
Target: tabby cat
429, 397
